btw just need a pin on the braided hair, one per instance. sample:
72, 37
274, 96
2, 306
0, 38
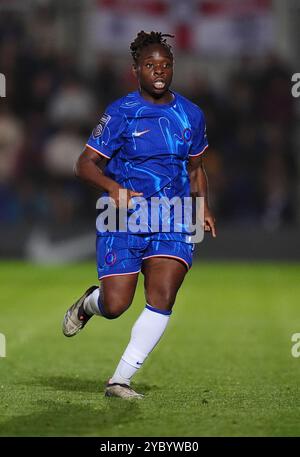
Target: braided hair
143, 39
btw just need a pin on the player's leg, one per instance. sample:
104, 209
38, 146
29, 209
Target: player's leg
110, 300
163, 278
113, 297
118, 269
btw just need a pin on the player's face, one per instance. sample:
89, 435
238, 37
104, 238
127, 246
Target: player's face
154, 71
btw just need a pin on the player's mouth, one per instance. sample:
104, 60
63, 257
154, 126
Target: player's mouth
159, 84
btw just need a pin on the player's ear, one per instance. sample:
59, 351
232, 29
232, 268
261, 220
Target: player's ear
134, 70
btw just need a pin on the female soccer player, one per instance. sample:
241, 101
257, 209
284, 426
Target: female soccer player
150, 143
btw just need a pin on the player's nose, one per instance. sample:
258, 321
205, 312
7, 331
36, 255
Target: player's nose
158, 69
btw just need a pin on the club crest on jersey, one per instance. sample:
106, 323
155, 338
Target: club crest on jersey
110, 258
100, 127
187, 135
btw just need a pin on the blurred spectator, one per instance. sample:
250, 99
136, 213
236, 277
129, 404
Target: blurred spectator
43, 27
73, 103
42, 89
276, 191
61, 151
275, 101
105, 81
11, 138
279, 183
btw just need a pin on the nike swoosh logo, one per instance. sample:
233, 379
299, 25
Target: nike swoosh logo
140, 133
139, 363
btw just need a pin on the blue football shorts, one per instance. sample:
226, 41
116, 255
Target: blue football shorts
123, 253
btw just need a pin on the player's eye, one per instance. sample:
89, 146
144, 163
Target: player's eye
149, 65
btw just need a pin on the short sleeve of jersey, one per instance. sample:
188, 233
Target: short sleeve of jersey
199, 140
106, 138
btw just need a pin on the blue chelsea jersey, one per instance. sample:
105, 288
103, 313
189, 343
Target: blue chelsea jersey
148, 145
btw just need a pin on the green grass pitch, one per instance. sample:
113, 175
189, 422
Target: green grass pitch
223, 368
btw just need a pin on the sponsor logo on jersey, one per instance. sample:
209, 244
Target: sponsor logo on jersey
97, 132
140, 133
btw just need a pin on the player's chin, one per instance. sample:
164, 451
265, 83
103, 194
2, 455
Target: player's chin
160, 91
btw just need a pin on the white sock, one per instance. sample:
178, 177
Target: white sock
145, 334
90, 304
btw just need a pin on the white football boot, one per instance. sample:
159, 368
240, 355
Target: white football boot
76, 318
121, 391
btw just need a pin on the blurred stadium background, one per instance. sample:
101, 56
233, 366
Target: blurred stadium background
64, 61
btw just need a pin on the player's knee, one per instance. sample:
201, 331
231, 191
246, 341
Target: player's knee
111, 315
114, 309
161, 299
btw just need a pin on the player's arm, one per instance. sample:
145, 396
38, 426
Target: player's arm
90, 169
199, 188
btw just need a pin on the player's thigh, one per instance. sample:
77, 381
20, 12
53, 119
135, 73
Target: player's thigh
118, 266
163, 278
117, 292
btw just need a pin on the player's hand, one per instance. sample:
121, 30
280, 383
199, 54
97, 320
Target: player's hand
122, 197
209, 222
130, 194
